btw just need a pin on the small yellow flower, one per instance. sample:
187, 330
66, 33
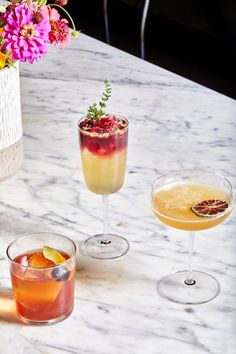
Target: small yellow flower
3, 58
1, 30
75, 34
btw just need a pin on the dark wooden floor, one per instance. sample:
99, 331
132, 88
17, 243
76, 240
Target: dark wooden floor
205, 55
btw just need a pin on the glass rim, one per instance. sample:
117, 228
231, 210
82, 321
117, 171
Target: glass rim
41, 233
107, 134
192, 170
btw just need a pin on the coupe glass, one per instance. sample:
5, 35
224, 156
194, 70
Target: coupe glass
103, 157
173, 196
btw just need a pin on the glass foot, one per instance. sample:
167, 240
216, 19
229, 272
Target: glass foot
111, 247
204, 288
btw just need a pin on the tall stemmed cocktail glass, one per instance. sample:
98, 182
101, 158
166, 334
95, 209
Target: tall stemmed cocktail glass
191, 200
103, 147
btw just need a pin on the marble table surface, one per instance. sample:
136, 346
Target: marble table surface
174, 124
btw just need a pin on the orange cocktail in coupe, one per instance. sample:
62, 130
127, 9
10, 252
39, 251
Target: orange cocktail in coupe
191, 200
174, 206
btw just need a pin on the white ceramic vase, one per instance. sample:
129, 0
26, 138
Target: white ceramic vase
11, 148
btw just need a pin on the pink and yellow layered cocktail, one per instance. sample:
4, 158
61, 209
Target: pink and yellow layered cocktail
103, 146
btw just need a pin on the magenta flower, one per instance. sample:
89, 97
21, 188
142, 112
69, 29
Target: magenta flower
50, 13
25, 33
60, 33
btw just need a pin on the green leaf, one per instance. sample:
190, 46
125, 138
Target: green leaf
93, 110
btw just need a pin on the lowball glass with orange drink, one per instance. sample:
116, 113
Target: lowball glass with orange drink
43, 277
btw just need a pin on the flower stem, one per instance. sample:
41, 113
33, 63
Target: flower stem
41, 3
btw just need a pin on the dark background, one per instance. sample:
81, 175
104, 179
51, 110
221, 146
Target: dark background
193, 38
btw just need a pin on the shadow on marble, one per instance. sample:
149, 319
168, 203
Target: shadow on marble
7, 307
89, 269
14, 227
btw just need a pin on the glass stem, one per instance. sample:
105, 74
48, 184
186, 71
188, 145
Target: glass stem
190, 280
105, 240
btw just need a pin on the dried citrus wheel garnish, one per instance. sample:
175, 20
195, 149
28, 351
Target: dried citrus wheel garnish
53, 255
210, 207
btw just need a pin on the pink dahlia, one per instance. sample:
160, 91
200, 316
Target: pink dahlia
25, 33
60, 33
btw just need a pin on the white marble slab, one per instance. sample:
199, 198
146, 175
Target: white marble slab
174, 124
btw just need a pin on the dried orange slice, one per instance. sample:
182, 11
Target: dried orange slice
53, 255
210, 207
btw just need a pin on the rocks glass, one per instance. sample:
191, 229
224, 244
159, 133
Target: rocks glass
43, 294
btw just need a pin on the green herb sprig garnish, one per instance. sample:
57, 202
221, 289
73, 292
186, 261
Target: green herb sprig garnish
95, 112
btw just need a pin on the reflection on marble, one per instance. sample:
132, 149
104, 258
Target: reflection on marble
174, 123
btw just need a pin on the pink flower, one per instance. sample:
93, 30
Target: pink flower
26, 36
61, 2
60, 33
50, 13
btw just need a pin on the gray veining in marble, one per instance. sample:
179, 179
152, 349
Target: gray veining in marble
174, 124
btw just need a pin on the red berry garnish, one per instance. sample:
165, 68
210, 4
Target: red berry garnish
109, 135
